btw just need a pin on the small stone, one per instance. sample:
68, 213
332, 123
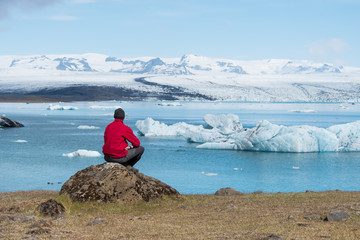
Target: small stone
227, 192
96, 222
39, 231
303, 224
291, 217
312, 217
30, 238
274, 237
337, 216
59, 218
51, 208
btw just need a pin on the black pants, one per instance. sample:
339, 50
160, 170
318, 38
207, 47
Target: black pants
132, 157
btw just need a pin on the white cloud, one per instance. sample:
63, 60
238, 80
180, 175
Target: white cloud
332, 50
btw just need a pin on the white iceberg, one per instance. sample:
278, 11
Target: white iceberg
21, 141
227, 133
170, 104
303, 111
209, 174
150, 127
59, 107
86, 127
82, 153
225, 123
103, 107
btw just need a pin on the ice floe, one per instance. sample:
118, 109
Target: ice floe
59, 107
170, 104
21, 141
86, 127
209, 174
103, 107
226, 132
303, 111
82, 153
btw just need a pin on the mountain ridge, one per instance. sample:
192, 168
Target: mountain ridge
190, 77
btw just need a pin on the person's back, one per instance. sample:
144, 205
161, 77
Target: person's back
116, 138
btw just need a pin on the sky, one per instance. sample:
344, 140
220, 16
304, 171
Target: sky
318, 30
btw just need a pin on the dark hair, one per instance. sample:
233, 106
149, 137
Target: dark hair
119, 114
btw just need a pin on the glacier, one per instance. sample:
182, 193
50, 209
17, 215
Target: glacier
227, 133
190, 77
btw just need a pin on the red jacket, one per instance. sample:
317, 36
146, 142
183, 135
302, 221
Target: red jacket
116, 136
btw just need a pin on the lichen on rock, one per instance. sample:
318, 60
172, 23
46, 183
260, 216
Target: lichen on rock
109, 182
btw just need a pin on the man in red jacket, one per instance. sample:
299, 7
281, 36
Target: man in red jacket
116, 138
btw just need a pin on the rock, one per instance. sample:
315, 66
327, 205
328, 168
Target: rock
51, 208
337, 216
17, 218
227, 192
6, 122
312, 217
39, 231
270, 237
96, 222
114, 182
59, 218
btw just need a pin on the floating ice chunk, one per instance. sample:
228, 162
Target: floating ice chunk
209, 174
277, 138
170, 104
86, 127
295, 167
21, 141
59, 107
303, 111
150, 127
348, 135
225, 123
104, 107
236, 169
218, 145
82, 153
265, 136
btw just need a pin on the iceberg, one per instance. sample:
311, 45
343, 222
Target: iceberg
103, 107
225, 123
227, 133
150, 127
86, 127
59, 107
82, 153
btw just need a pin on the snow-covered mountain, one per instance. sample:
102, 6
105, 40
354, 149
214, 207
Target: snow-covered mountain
188, 77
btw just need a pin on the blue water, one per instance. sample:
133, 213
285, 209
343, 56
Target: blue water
38, 164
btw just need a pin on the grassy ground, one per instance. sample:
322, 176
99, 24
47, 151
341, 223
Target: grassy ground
250, 216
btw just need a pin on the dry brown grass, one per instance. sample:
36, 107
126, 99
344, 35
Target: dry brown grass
251, 216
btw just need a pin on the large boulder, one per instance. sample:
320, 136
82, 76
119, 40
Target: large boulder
6, 122
109, 182
227, 192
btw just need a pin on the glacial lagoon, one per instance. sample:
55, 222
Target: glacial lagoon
60, 139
